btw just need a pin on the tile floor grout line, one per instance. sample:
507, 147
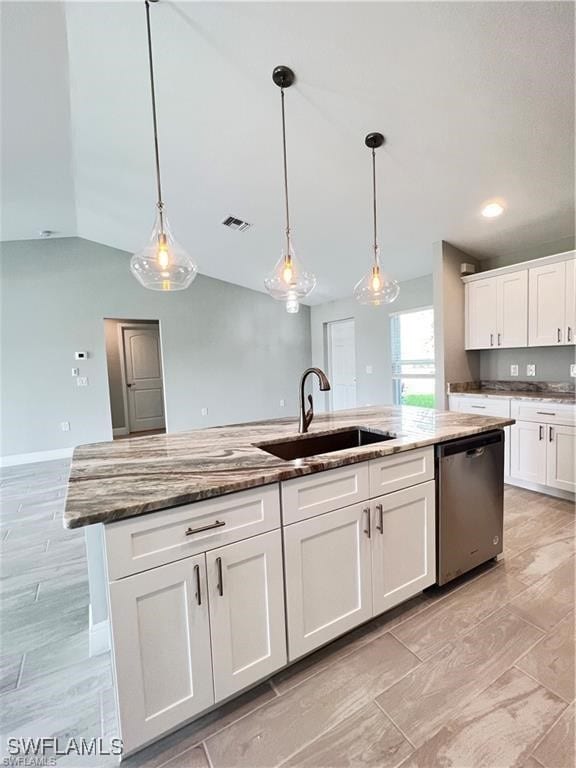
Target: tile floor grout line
389, 716
560, 716
540, 683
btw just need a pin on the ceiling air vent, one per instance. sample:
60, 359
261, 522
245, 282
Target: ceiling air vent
233, 223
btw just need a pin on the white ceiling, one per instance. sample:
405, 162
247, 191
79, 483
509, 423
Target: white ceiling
475, 99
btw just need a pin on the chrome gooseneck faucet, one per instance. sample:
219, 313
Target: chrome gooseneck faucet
307, 416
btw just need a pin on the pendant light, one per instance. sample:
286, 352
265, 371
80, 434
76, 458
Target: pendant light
163, 264
376, 288
289, 281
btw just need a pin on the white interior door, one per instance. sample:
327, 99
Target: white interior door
341, 342
161, 637
143, 366
246, 612
561, 457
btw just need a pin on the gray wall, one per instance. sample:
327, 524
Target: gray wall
372, 326
536, 252
552, 363
453, 362
225, 348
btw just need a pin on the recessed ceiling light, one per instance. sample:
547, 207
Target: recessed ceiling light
492, 210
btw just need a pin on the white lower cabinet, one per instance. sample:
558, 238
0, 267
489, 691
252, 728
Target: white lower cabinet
528, 451
328, 577
403, 546
346, 566
246, 589
561, 457
161, 637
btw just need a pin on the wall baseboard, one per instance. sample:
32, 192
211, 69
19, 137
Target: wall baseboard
31, 458
545, 489
98, 636
120, 431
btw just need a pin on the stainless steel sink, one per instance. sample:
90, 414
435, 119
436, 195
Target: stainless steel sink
338, 440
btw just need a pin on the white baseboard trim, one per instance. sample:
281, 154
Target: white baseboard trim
546, 489
120, 431
32, 458
98, 636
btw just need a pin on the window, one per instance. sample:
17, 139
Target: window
413, 369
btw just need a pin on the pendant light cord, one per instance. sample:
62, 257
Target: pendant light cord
160, 202
374, 206
285, 174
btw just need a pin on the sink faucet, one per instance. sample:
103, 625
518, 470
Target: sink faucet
307, 416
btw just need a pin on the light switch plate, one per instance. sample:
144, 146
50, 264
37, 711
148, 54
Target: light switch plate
282, 403
75, 371
513, 370
531, 370
204, 411
573, 369
369, 369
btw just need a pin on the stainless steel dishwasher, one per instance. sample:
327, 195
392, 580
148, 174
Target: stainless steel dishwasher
470, 503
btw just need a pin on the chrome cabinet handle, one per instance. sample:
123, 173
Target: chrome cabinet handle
368, 530
550, 434
559, 337
491, 339
217, 524
483, 407
499, 339
569, 334
540, 432
198, 591
380, 523
545, 413
220, 584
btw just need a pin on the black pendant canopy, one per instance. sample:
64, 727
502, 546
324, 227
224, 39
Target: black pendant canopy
283, 76
374, 140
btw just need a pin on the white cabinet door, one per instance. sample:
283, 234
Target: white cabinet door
570, 308
561, 457
403, 545
528, 451
546, 305
328, 576
246, 612
481, 309
161, 639
512, 321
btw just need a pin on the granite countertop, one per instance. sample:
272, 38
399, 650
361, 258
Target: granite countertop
120, 479
548, 397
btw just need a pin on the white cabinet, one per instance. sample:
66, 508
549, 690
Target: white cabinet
547, 304
328, 576
404, 545
528, 452
570, 307
481, 308
561, 457
161, 636
246, 596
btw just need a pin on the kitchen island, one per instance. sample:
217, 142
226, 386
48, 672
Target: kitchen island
224, 563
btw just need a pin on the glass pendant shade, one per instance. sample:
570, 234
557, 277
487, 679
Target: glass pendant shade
163, 264
289, 281
376, 288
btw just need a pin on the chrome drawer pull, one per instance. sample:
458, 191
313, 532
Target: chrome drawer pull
479, 406
198, 592
217, 524
550, 434
368, 530
540, 432
545, 413
220, 584
380, 524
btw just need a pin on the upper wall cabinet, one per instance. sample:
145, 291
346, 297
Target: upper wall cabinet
497, 311
533, 305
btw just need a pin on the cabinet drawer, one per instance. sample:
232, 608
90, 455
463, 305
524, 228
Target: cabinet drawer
543, 413
483, 406
140, 543
401, 470
305, 497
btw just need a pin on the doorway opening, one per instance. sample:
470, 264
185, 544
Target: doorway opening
340, 345
135, 377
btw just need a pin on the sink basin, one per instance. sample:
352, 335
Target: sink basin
338, 440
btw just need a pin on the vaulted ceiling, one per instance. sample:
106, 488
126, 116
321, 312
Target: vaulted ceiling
476, 102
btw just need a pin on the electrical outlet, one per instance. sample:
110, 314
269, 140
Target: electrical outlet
282, 403
65, 426
369, 369
573, 369
82, 381
204, 411
513, 370
75, 371
531, 370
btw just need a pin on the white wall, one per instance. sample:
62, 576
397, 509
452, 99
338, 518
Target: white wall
372, 325
225, 348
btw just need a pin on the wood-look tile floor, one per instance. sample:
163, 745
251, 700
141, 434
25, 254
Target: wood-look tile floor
477, 674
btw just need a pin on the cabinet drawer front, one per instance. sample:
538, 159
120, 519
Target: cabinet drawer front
392, 473
145, 542
483, 406
543, 413
305, 497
